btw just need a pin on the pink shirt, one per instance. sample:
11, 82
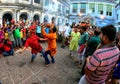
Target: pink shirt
101, 63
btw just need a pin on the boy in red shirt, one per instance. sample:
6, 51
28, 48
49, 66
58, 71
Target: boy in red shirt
33, 42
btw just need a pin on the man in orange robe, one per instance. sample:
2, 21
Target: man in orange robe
51, 50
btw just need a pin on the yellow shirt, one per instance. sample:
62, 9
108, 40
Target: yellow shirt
21, 34
6, 36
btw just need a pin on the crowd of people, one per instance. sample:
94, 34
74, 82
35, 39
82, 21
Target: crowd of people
95, 50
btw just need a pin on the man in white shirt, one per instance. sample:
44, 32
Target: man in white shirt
66, 34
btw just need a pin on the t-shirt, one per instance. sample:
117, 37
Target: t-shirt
17, 33
92, 44
6, 36
116, 73
34, 44
101, 63
7, 47
84, 38
38, 30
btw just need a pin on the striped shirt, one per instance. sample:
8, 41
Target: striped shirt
101, 63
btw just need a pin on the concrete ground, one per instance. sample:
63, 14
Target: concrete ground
17, 69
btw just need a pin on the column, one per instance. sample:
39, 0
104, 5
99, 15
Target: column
1, 19
17, 15
96, 8
87, 8
104, 10
31, 15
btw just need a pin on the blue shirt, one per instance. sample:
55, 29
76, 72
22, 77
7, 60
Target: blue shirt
38, 30
47, 30
116, 73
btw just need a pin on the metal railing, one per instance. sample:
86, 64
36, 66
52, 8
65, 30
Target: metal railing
107, 1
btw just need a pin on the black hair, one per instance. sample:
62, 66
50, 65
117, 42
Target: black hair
54, 29
84, 28
109, 31
97, 33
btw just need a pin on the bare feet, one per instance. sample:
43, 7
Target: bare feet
46, 65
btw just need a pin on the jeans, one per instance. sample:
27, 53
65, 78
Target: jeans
34, 55
7, 53
47, 59
18, 42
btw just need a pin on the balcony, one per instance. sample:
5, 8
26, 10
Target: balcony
106, 1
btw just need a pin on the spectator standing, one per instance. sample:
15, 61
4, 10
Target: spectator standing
103, 60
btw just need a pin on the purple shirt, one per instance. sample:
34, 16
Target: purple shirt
1, 36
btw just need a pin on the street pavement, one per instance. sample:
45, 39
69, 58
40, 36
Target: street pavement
17, 69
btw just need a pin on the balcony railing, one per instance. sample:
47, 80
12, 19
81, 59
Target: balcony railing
107, 1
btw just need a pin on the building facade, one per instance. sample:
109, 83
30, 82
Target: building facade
97, 12
117, 19
55, 9
43, 10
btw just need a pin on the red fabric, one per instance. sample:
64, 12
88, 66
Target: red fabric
34, 44
33, 29
7, 47
24, 32
1, 48
1, 45
81, 48
12, 21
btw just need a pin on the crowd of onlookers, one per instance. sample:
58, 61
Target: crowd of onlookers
13, 35
94, 50
97, 51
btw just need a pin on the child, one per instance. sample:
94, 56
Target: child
6, 34
75, 36
51, 50
33, 42
7, 47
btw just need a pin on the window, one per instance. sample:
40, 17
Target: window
67, 11
109, 10
83, 7
63, 9
74, 8
46, 2
92, 7
53, 5
101, 12
117, 16
100, 8
110, 13
37, 1
59, 8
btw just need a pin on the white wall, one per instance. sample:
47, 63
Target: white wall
8, 1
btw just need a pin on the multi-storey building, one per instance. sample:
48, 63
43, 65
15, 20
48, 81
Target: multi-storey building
97, 12
43, 10
117, 19
16, 9
55, 9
